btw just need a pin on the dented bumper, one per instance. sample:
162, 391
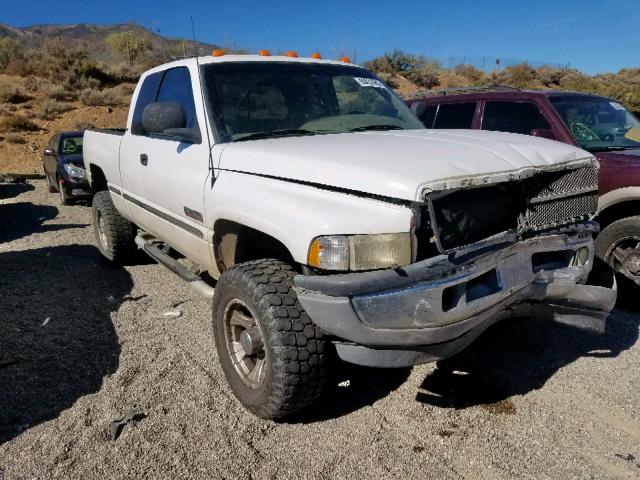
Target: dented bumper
433, 309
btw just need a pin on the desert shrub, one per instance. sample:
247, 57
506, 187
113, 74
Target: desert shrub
471, 74
83, 121
17, 123
15, 138
13, 94
51, 109
451, 79
94, 97
58, 92
417, 68
10, 52
389, 79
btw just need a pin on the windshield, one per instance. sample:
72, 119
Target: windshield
71, 145
599, 124
252, 100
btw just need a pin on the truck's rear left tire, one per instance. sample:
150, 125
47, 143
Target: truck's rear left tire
114, 234
273, 356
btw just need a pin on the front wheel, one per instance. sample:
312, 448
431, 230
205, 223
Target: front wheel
619, 245
273, 356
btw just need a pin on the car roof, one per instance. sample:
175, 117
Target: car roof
74, 133
205, 60
445, 97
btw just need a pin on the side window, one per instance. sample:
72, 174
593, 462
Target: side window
147, 95
514, 117
455, 115
427, 114
176, 87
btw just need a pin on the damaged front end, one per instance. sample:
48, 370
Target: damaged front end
518, 248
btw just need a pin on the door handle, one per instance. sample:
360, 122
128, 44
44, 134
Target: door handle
144, 159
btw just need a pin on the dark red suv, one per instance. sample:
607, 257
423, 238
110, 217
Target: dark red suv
597, 124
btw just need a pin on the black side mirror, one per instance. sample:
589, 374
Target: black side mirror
169, 120
543, 133
49, 152
158, 117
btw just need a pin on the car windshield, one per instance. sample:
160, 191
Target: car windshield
598, 124
71, 145
253, 100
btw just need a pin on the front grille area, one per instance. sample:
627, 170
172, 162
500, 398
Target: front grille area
546, 200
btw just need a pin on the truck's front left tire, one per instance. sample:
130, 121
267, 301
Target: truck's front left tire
114, 234
273, 356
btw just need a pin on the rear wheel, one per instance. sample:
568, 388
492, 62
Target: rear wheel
64, 198
273, 356
619, 246
114, 234
50, 186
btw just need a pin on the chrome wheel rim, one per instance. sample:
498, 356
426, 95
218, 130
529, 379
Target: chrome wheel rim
245, 343
624, 256
102, 236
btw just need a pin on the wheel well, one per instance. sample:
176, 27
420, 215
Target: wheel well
618, 211
235, 243
98, 180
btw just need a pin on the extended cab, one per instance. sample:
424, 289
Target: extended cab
334, 223
599, 125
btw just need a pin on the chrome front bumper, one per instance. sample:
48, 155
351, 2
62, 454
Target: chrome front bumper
434, 308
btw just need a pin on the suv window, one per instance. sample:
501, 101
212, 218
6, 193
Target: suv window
427, 115
176, 87
147, 95
513, 117
455, 115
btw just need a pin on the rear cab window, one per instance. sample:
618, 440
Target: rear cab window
513, 117
455, 115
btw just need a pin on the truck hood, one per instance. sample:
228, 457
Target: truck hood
402, 164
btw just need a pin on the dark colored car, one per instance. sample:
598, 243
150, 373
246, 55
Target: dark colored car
597, 124
64, 167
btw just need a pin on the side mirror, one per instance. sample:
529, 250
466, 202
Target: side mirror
158, 117
543, 133
169, 120
49, 152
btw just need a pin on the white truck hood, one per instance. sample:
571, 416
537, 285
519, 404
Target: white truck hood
402, 164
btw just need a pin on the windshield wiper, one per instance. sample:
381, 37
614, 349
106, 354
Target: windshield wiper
285, 132
377, 126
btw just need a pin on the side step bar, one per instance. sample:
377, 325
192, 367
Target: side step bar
146, 242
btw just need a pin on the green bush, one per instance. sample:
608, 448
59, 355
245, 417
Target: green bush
94, 97
13, 94
51, 109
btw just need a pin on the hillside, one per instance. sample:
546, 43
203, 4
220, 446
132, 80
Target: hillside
94, 39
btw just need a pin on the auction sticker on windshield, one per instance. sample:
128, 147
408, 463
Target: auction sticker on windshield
369, 82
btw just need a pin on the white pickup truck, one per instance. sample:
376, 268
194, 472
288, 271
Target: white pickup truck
330, 223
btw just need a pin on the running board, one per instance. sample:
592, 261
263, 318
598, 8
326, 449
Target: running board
146, 243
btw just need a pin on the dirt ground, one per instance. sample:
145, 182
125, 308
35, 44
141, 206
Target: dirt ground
81, 342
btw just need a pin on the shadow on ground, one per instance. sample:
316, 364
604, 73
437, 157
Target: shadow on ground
19, 220
57, 341
517, 356
10, 190
352, 388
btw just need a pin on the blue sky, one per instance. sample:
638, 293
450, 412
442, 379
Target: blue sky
594, 36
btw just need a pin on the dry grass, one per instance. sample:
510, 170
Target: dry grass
60, 93
15, 138
13, 94
93, 97
17, 123
52, 109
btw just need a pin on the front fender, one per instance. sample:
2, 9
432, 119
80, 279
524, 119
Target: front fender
295, 213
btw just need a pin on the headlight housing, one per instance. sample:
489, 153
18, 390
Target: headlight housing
360, 252
75, 171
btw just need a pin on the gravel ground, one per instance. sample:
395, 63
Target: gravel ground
81, 342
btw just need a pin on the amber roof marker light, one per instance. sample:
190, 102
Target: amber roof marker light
316, 56
292, 54
345, 59
217, 53
264, 53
